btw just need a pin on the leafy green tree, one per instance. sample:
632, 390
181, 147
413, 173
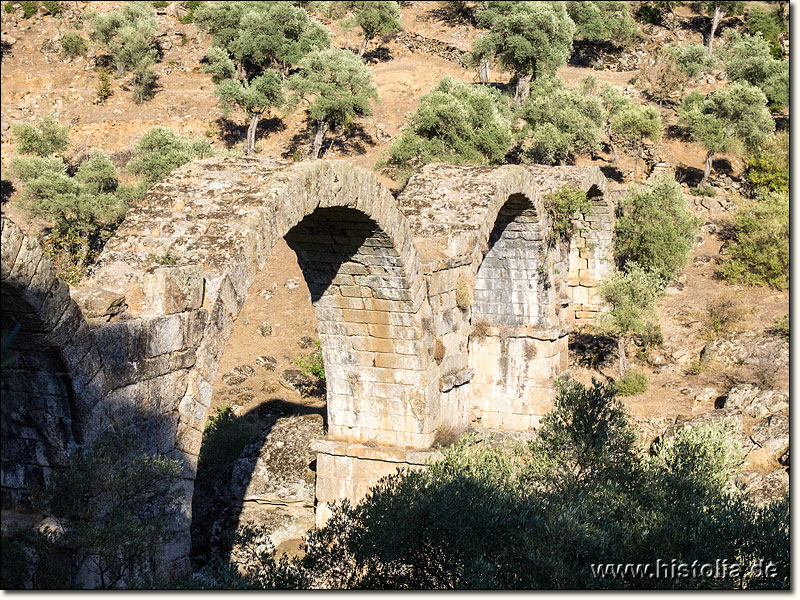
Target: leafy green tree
376, 18
719, 9
632, 294
456, 122
612, 101
338, 88
111, 508
603, 21
769, 24
563, 205
747, 58
655, 11
161, 150
692, 59
532, 39
768, 168
46, 139
84, 204
759, 251
73, 45
560, 121
129, 36
635, 123
256, 45
734, 120
655, 230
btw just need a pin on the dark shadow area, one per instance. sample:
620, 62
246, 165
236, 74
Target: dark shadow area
722, 166
352, 141
613, 173
592, 350
232, 133
7, 190
781, 122
215, 513
299, 146
514, 207
448, 13
676, 132
691, 176
6, 49
378, 55
585, 53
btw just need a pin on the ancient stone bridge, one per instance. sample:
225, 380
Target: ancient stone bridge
445, 308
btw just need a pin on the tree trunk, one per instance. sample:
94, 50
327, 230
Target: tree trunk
363, 47
718, 14
240, 74
707, 170
623, 358
636, 164
614, 153
483, 71
523, 90
322, 129
250, 145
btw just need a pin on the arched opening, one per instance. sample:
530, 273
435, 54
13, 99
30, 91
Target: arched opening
515, 347
336, 278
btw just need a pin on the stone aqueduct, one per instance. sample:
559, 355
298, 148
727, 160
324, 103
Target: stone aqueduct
444, 308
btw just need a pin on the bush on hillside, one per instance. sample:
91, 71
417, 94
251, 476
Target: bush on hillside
768, 168
455, 123
634, 382
759, 252
161, 150
73, 45
44, 139
656, 229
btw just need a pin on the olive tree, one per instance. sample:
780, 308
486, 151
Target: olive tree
719, 9
634, 123
256, 45
560, 121
532, 39
632, 295
456, 122
337, 87
612, 102
748, 58
734, 120
376, 18
129, 36
603, 21
45, 138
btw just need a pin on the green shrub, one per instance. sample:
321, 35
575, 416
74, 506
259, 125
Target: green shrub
539, 515
43, 140
563, 205
768, 169
692, 59
656, 229
192, 5
104, 89
161, 150
559, 121
53, 7
603, 21
312, 364
73, 45
634, 382
455, 123
111, 505
768, 23
759, 252
706, 190
160, 3
748, 58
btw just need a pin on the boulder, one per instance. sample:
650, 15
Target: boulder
772, 433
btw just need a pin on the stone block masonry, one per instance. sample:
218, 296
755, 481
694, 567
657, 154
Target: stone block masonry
443, 309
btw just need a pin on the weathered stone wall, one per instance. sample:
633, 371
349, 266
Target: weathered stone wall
445, 308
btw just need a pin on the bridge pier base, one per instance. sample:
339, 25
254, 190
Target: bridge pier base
348, 470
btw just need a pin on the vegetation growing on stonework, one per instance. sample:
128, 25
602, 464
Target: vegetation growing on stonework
161, 150
564, 205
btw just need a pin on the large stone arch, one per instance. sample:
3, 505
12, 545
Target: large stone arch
219, 218
51, 391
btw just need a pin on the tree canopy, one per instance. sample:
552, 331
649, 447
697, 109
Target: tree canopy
455, 122
532, 39
732, 120
748, 58
603, 21
337, 86
376, 18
